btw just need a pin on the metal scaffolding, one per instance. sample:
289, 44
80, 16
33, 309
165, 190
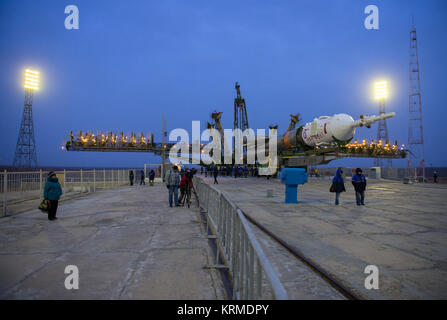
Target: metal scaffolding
240, 116
416, 165
25, 155
382, 135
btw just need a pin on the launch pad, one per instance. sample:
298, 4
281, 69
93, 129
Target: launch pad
406, 240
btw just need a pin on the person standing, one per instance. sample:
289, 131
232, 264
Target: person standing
182, 167
338, 185
151, 177
215, 173
52, 192
172, 180
185, 188
142, 182
435, 177
359, 183
131, 177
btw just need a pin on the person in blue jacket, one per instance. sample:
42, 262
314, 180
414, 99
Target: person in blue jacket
338, 185
359, 183
142, 182
52, 192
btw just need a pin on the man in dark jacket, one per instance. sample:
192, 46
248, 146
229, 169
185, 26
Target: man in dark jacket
131, 177
338, 185
151, 177
142, 182
359, 183
215, 173
52, 192
435, 177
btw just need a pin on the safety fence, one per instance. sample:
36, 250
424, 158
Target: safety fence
238, 246
19, 187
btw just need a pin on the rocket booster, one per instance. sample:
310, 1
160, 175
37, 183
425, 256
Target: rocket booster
326, 130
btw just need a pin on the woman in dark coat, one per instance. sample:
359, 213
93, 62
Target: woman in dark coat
52, 192
338, 185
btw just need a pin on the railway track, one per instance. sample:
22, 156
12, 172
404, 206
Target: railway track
321, 272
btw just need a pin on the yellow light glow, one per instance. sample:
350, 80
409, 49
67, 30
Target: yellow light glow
31, 79
32, 71
31, 76
381, 90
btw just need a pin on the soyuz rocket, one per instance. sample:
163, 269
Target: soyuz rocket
325, 130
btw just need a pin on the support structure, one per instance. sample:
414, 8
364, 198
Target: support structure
25, 155
382, 135
416, 164
163, 150
240, 114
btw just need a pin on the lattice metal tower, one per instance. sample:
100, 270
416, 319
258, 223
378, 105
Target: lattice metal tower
240, 111
416, 165
25, 155
382, 130
240, 114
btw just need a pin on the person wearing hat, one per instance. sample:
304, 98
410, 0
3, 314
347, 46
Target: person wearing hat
52, 192
338, 185
359, 183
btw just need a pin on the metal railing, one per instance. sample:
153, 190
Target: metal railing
17, 187
238, 246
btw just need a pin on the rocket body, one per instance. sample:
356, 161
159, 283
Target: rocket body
326, 130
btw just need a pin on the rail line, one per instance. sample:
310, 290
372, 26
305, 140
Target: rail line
332, 281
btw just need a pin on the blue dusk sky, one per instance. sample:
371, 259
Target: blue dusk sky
130, 62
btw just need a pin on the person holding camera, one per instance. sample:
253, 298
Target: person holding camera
185, 188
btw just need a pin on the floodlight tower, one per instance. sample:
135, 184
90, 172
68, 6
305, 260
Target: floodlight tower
25, 155
382, 132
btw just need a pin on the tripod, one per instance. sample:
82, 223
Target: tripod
186, 197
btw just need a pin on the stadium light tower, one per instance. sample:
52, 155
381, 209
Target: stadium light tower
25, 155
381, 91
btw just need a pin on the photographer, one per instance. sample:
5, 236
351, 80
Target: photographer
172, 179
185, 188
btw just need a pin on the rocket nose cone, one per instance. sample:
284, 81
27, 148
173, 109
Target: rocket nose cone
342, 128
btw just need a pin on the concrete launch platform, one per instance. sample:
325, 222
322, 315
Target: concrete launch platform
127, 244
402, 230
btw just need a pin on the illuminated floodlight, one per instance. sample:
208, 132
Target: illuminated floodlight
381, 90
31, 79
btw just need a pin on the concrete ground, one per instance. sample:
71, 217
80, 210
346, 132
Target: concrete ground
402, 230
127, 244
